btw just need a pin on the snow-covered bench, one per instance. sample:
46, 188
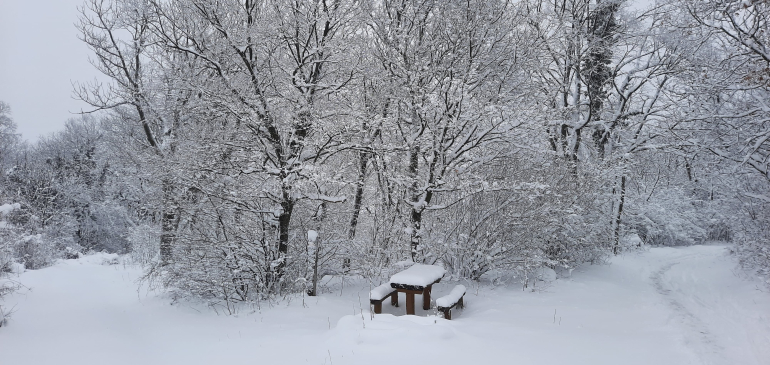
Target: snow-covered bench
449, 301
380, 293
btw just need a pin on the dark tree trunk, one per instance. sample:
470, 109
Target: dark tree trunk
168, 224
688, 168
363, 161
564, 139
284, 219
616, 247
416, 218
314, 290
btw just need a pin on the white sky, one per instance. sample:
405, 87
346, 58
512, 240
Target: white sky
40, 57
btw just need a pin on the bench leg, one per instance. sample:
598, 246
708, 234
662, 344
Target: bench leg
426, 298
448, 314
460, 302
394, 299
378, 308
410, 303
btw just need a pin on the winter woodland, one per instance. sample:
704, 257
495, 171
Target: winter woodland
242, 150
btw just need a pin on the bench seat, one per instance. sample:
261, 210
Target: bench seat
380, 293
451, 300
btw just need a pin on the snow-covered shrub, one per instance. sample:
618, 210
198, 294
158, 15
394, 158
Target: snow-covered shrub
36, 251
751, 244
17, 245
224, 255
8, 234
8, 266
102, 226
144, 240
523, 222
72, 253
680, 217
719, 231
753, 252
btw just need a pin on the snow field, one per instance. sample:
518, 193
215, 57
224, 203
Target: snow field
647, 308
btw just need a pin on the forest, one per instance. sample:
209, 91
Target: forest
241, 150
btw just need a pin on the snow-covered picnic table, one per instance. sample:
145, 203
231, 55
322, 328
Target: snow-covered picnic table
418, 279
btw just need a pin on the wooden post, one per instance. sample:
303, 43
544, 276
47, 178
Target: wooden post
460, 302
378, 307
410, 302
426, 297
448, 314
394, 299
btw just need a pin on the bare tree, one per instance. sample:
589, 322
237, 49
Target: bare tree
449, 67
141, 91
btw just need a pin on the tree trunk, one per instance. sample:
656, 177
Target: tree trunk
317, 248
616, 248
168, 224
363, 161
287, 207
416, 218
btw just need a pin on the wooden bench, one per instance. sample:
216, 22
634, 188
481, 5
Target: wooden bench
380, 293
451, 300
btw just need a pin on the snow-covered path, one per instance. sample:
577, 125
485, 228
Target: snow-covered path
664, 306
723, 320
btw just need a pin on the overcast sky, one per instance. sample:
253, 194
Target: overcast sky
40, 57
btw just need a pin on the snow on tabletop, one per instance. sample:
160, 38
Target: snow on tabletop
419, 275
380, 292
452, 297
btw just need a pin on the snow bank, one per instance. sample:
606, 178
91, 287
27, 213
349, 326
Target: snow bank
451, 298
418, 275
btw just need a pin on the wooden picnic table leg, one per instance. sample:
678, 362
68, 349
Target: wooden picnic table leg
410, 302
378, 308
426, 297
394, 299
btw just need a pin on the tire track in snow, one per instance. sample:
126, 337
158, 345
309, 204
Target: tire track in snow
697, 336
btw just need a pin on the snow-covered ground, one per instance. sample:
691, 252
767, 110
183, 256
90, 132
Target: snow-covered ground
665, 306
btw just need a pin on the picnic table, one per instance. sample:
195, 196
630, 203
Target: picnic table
417, 279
